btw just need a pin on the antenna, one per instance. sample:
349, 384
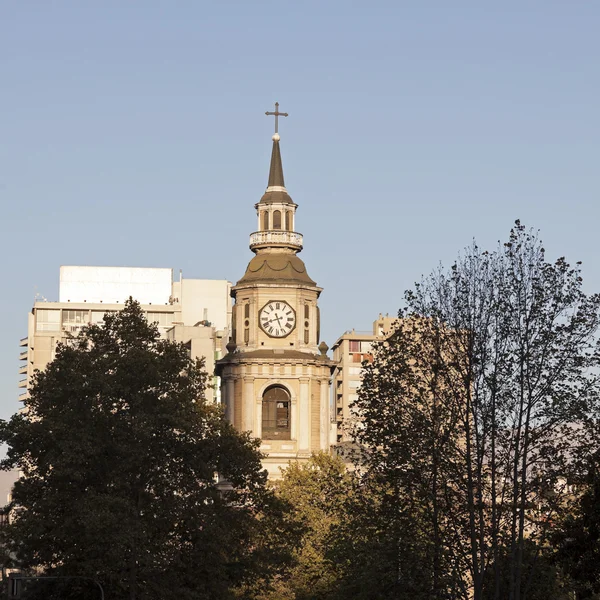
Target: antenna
38, 296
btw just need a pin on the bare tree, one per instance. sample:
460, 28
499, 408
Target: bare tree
476, 406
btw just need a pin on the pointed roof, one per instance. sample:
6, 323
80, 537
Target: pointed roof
276, 170
276, 192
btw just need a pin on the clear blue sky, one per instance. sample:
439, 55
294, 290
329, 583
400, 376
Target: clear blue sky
133, 133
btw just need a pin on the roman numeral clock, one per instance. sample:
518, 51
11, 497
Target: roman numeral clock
275, 376
277, 318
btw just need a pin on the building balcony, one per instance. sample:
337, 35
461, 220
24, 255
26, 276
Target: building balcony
24, 341
23, 383
23, 369
23, 355
280, 239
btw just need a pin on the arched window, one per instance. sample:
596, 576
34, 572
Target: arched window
276, 409
276, 219
288, 220
266, 220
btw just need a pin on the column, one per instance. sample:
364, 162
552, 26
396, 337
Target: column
248, 404
229, 400
258, 418
295, 429
304, 415
324, 414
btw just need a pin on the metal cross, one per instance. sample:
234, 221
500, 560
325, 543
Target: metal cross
277, 114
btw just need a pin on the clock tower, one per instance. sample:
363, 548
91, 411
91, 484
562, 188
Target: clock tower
275, 377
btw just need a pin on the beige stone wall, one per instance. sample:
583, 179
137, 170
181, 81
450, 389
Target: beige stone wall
308, 386
252, 337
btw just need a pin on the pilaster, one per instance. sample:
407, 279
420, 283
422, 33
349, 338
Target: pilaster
304, 416
248, 402
324, 406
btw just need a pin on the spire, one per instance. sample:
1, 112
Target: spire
276, 192
276, 170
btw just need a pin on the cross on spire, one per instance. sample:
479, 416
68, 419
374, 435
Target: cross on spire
276, 114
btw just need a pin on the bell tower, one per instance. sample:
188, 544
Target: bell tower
275, 377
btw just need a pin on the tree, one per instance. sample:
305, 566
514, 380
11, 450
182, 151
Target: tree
474, 408
119, 452
577, 539
314, 495
379, 555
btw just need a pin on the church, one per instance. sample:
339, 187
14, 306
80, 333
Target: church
271, 371
275, 377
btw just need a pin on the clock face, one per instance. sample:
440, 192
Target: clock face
277, 318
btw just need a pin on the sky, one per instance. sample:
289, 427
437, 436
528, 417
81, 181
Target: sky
134, 134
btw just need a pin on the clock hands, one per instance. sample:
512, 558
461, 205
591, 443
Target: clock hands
278, 319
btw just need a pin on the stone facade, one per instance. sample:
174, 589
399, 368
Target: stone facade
276, 375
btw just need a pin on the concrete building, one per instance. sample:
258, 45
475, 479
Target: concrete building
349, 351
196, 312
276, 374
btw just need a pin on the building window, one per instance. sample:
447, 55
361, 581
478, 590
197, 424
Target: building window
276, 219
97, 317
276, 408
74, 320
288, 220
246, 311
265, 220
354, 346
47, 320
162, 319
76, 317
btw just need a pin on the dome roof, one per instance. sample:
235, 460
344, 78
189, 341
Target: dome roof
276, 197
276, 267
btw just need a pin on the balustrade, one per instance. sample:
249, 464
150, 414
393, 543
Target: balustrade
279, 238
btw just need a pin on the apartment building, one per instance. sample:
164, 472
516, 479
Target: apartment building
196, 312
349, 351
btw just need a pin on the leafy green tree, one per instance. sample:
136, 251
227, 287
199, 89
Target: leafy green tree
314, 495
473, 409
119, 452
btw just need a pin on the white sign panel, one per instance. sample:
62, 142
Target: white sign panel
115, 284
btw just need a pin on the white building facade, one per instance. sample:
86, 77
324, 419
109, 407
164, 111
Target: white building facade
196, 312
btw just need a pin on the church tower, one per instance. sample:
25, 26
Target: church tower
275, 376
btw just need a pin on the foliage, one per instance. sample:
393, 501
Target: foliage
577, 540
379, 555
474, 409
539, 575
119, 452
315, 494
